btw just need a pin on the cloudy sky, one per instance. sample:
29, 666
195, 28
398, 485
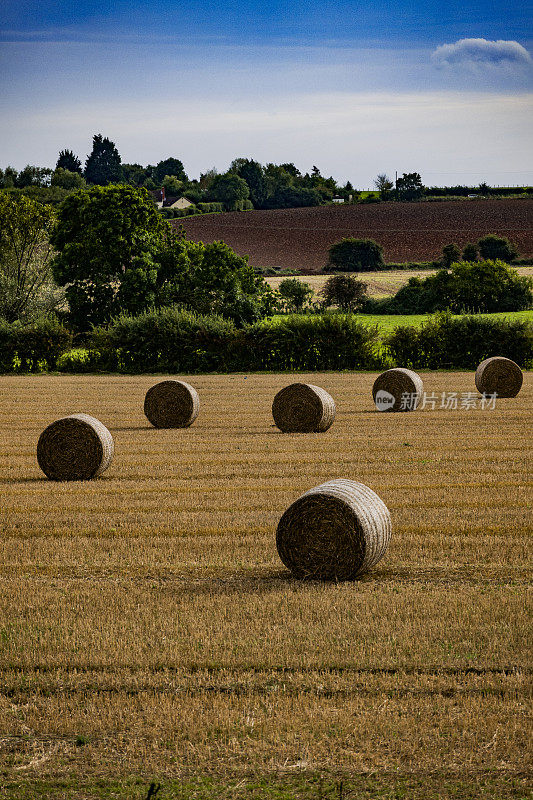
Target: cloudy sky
440, 87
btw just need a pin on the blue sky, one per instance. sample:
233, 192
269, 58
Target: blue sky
443, 88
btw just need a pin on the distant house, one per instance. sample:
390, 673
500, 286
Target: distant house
338, 200
162, 201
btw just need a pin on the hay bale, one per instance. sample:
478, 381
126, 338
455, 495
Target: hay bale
75, 448
171, 404
397, 389
500, 376
336, 531
303, 408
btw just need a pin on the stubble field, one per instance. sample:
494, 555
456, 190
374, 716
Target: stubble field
149, 631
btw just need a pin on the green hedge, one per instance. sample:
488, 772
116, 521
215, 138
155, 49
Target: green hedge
447, 342
210, 208
33, 347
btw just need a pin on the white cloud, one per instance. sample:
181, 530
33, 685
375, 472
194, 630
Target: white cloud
481, 52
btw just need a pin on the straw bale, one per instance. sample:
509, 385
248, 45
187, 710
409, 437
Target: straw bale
336, 531
75, 448
500, 376
397, 389
171, 404
303, 408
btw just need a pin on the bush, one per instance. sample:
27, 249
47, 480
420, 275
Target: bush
33, 347
497, 247
345, 292
481, 286
295, 294
450, 254
460, 342
210, 208
80, 360
355, 255
470, 252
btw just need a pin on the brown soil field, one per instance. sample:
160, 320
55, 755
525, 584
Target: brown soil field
300, 237
148, 629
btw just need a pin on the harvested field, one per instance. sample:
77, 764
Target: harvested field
300, 237
148, 629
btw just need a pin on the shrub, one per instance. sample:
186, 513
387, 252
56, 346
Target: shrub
470, 252
33, 347
497, 247
460, 342
80, 360
210, 208
345, 292
450, 254
355, 255
295, 294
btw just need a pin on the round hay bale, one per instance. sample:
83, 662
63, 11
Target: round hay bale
397, 389
499, 376
336, 531
171, 404
303, 408
75, 448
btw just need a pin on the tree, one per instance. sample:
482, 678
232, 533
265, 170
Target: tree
230, 190
67, 160
107, 240
470, 252
172, 186
383, 184
103, 164
66, 179
497, 247
33, 176
26, 285
8, 178
355, 255
451, 253
170, 166
295, 294
252, 172
409, 186
345, 292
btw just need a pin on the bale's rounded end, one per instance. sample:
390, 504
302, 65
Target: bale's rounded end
75, 448
171, 404
397, 389
499, 376
303, 408
336, 531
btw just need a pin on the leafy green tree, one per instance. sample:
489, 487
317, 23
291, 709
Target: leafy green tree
103, 164
170, 166
230, 190
172, 186
135, 174
497, 247
68, 160
8, 178
343, 291
252, 172
450, 254
107, 240
26, 285
355, 255
33, 176
211, 279
66, 179
409, 186
384, 185
470, 252
295, 294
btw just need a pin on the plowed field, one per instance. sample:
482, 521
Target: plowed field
300, 237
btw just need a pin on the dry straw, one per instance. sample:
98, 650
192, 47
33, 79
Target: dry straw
75, 448
397, 389
500, 376
171, 404
336, 531
303, 408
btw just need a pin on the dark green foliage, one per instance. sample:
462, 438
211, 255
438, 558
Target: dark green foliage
345, 292
480, 286
450, 254
168, 340
470, 252
103, 164
293, 197
45, 195
409, 187
32, 347
230, 190
67, 179
67, 160
355, 255
252, 172
497, 247
106, 240
210, 208
295, 293
445, 342
170, 166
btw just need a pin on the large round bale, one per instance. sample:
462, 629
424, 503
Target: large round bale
303, 408
397, 389
171, 404
75, 448
336, 531
499, 376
